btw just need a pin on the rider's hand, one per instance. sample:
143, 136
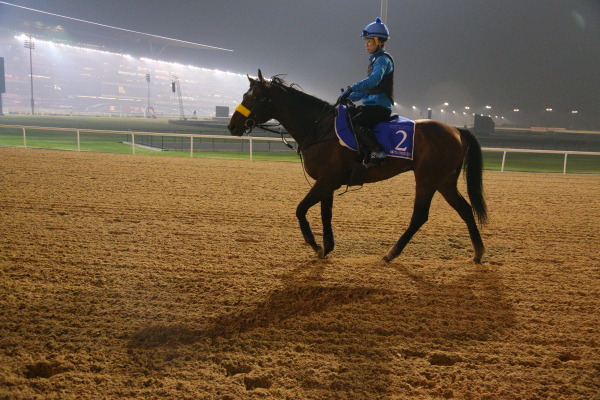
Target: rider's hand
346, 93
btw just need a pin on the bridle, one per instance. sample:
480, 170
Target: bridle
263, 105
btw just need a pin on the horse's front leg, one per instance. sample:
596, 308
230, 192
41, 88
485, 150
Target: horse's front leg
319, 192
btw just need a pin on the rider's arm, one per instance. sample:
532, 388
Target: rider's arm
380, 68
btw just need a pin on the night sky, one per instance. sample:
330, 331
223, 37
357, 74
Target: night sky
525, 54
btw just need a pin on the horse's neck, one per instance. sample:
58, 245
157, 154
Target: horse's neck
298, 118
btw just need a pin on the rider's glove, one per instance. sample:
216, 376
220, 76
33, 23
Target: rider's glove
346, 93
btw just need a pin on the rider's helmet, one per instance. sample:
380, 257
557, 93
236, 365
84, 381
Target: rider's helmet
376, 29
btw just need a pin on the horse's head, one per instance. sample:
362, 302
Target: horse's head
256, 107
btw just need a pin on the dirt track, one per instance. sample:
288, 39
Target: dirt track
155, 277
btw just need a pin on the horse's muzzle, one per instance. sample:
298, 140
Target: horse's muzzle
235, 130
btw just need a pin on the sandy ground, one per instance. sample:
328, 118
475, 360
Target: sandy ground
155, 277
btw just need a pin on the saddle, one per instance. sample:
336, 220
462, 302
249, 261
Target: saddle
396, 136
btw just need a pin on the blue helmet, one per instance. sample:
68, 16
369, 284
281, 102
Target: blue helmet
376, 29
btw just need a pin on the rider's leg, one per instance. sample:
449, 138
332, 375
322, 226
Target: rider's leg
364, 122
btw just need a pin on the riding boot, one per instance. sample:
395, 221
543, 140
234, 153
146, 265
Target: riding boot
374, 150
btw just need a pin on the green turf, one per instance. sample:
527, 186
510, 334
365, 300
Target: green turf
540, 162
114, 143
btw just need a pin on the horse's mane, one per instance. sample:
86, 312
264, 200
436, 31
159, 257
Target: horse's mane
295, 90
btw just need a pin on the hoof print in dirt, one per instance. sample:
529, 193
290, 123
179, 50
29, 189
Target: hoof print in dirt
235, 369
44, 370
442, 359
257, 382
564, 357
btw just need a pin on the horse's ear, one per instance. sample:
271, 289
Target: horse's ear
260, 77
250, 79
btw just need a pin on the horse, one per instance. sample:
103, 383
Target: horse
440, 153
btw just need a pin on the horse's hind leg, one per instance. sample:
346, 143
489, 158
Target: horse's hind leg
326, 216
419, 217
464, 209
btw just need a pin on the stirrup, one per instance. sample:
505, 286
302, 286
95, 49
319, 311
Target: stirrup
377, 158
380, 155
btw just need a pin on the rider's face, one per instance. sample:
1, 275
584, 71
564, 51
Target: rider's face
370, 45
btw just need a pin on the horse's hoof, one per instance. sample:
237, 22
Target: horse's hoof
321, 254
387, 258
477, 260
319, 251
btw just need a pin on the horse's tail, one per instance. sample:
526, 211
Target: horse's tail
473, 165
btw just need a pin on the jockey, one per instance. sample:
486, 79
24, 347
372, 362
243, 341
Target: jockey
375, 91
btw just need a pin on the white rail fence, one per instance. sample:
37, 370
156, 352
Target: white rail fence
565, 152
251, 139
132, 135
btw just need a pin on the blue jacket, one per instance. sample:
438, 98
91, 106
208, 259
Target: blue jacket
381, 67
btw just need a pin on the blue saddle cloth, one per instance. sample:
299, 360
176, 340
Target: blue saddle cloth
396, 136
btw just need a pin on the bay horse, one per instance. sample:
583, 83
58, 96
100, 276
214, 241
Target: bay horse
439, 154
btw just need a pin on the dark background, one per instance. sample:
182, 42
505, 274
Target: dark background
525, 54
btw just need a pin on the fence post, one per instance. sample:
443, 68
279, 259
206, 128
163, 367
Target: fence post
503, 159
191, 146
565, 165
250, 149
78, 142
24, 138
132, 143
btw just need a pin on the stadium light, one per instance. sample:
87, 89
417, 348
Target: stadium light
417, 111
148, 81
69, 46
573, 114
29, 44
384, 8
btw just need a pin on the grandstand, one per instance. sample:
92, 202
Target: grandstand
72, 79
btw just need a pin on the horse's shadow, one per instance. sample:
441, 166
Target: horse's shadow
471, 307
299, 297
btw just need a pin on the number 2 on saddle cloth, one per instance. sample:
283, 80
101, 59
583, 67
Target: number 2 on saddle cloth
395, 136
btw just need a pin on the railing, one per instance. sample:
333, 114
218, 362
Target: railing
251, 139
78, 132
565, 152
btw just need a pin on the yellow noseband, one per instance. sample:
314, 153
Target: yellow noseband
243, 110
